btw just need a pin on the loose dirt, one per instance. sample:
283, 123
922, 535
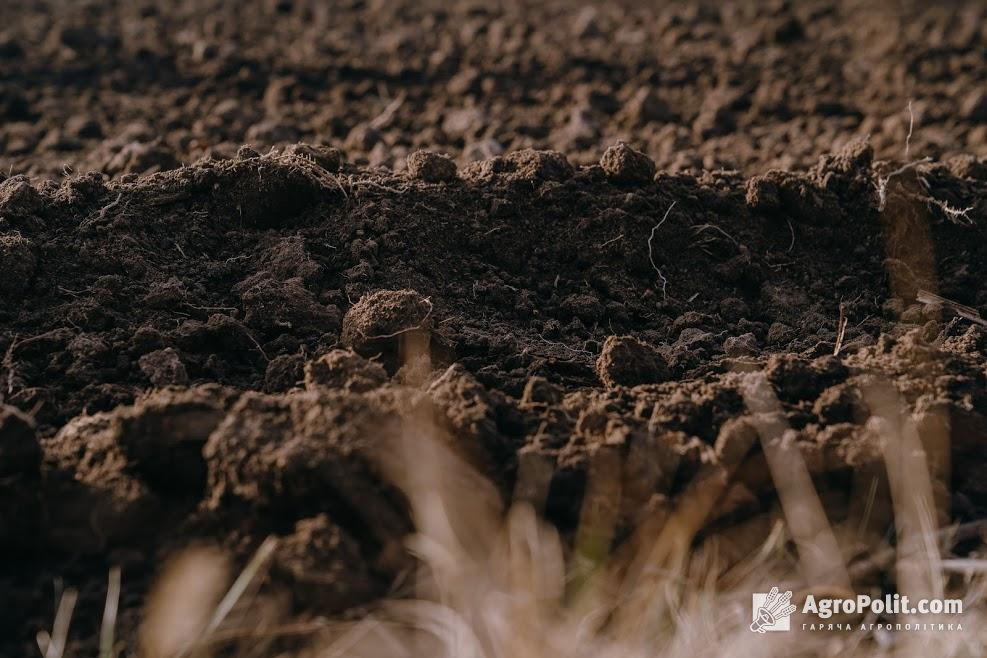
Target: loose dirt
205, 342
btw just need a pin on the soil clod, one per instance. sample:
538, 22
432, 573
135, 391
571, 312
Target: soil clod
431, 167
392, 325
624, 165
627, 361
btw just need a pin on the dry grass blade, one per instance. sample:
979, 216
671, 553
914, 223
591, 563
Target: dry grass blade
182, 602
971, 314
53, 645
918, 570
819, 552
107, 628
250, 573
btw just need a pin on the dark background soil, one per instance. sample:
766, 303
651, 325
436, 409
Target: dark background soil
171, 302
131, 87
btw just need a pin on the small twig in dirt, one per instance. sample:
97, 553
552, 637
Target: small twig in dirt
335, 179
210, 308
651, 255
257, 345
705, 227
107, 628
612, 240
911, 126
841, 330
494, 230
240, 585
8, 365
107, 207
791, 229
564, 346
181, 251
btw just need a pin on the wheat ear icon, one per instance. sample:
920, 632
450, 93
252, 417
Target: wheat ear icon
774, 608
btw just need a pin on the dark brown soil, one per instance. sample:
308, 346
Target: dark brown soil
137, 87
222, 350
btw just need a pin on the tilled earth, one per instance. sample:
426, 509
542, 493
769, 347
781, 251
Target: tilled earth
221, 351
137, 87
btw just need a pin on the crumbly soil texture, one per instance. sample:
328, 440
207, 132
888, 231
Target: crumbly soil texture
558, 241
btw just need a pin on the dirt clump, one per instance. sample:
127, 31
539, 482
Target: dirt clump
163, 434
528, 165
164, 368
96, 495
301, 453
627, 361
271, 306
345, 370
322, 567
391, 325
18, 198
624, 165
431, 167
329, 158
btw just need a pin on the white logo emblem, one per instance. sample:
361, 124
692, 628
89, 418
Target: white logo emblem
771, 611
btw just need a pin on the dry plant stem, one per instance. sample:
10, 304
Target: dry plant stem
911, 126
53, 646
945, 538
107, 207
841, 330
918, 567
971, 314
249, 574
107, 628
651, 254
649, 571
791, 229
819, 552
257, 345
8, 365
